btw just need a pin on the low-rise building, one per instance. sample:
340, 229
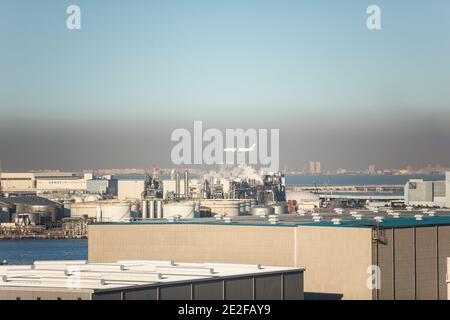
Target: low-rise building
149, 280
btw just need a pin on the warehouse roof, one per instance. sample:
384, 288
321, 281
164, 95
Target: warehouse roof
80, 275
348, 218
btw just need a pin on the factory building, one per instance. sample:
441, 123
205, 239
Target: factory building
304, 200
427, 193
13, 182
30, 210
130, 189
52, 184
149, 280
337, 250
102, 186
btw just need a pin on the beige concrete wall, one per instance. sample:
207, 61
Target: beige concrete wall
273, 246
17, 181
336, 261
44, 294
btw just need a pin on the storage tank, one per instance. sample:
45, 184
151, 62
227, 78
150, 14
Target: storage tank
159, 210
230, 208
248, 205
151, 209
106, 211
184, 209
280, 208
92, 198
145, 209
26, 218
116, 211
262, 211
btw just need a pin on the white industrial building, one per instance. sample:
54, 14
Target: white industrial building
304, 200
149, 280
11, 182
419, 192
130, 189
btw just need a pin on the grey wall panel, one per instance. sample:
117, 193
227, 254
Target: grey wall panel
107, 296
293, 286
443, 253
426, 264
404, 264
141, 294
385, 262
182, 292
212, 290
239, 289
268, 288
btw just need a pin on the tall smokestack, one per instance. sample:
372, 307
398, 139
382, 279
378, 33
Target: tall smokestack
177, 183
186, 183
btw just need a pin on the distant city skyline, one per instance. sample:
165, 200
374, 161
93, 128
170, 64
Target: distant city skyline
110, 94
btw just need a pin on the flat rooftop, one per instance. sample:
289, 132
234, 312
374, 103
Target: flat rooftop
81, 275
391, 218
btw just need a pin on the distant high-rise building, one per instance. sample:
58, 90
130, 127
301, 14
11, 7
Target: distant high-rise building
372, 169
315, 167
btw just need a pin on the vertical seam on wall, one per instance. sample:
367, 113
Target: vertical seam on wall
393, 263
377, 291
295, 247
437, 264
415, 261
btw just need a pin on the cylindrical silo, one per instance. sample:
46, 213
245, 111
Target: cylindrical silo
184, 209
280, 208
186, 183
151, 205
145, 209
177, 183
159, 209
262, 211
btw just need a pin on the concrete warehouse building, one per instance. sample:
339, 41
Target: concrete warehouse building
148, 280
419, 192
11, 182
336, 250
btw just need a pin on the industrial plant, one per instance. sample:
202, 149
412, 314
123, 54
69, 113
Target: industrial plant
233, 221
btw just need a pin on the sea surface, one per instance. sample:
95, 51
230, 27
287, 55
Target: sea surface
27, 251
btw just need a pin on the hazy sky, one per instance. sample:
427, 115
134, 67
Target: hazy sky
110, 94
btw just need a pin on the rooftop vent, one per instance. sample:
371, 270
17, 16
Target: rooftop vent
273, 219
227, 220
336, 221
378, 219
